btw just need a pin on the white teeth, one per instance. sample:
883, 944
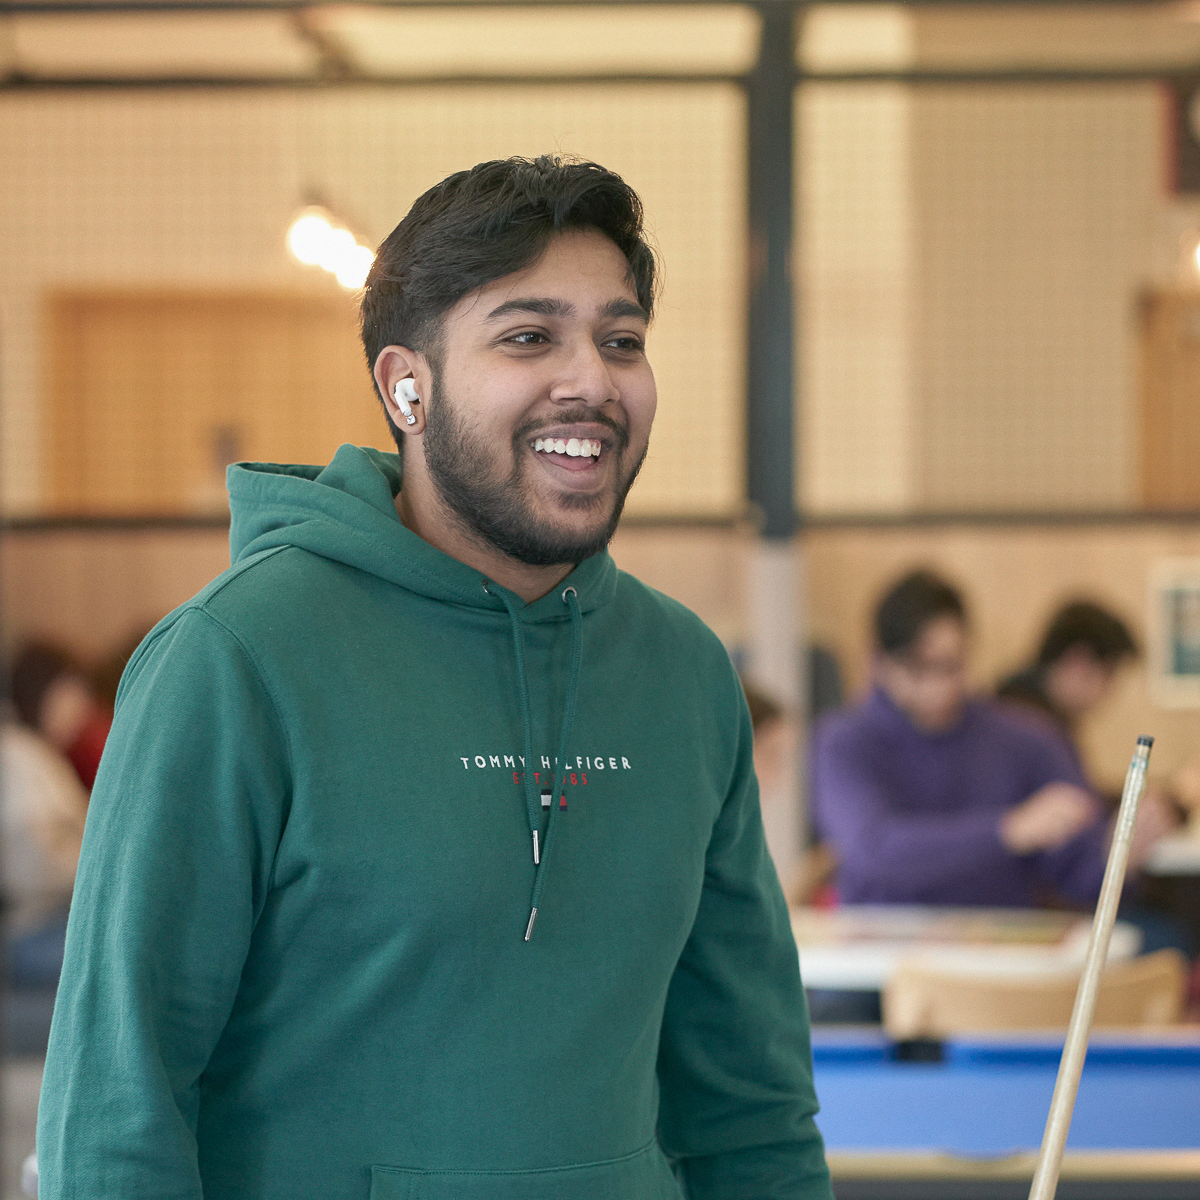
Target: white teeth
572, 447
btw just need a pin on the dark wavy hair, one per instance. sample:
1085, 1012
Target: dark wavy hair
909, 605
1083, 623
487, 222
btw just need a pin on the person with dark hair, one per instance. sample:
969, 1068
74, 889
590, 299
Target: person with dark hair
426, 858
53, 695
1082, 650
931, 795
43, 804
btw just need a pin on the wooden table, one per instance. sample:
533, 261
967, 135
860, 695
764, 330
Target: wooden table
1178, 854
1172, 881
857, 947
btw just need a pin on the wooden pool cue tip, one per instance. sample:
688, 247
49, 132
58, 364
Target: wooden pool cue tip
1070, 1067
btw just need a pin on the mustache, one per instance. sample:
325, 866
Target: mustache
576, 416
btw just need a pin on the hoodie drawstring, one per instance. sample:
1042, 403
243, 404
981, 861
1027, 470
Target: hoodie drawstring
541, 846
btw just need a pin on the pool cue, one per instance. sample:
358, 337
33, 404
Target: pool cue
1045, 1177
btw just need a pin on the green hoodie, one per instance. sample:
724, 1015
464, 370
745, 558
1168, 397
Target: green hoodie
297, 962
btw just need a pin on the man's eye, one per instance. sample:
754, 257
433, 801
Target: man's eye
627, 343
529, 338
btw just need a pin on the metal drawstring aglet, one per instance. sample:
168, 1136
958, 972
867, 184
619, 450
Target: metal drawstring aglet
537, 853
529, 927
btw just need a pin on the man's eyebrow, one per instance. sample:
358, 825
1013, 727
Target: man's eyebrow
532, 304
555, 307
625, 308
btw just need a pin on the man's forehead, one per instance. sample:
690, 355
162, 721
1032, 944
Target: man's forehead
580, 273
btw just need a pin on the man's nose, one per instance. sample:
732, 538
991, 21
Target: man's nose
585, 376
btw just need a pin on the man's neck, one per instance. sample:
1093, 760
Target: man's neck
445, 533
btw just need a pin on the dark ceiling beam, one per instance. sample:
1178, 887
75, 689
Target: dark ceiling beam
20, 81
107, 6
348, 76
78, 7
1147, 73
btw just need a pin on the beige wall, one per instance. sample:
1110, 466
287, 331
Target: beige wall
971, 258
968, 257
178, 189
1041, 214
93, 588
971, 255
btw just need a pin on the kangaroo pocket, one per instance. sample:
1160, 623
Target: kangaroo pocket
643, 1175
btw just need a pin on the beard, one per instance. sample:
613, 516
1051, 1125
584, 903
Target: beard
501, 511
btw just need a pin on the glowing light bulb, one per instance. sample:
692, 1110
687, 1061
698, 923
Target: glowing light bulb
307, 237
317, 240
339, 243
352, 273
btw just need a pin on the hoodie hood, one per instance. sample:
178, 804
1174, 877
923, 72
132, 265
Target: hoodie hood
345, 512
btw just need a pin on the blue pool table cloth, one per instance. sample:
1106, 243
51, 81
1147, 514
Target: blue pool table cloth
990, 1097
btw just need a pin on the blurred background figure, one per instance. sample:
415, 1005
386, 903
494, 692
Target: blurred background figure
53, 695
931, 795
805, 867
776, 739
42, 810
1082, 650
774, 734
51, 738
1081, 653
56, 720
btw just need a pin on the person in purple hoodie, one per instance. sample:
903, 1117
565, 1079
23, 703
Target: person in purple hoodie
930, 795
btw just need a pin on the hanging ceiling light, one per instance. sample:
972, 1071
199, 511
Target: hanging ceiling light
318, 239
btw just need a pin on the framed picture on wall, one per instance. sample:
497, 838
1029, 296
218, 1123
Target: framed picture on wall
1174, 632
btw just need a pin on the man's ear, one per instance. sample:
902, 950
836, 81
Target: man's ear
403, 401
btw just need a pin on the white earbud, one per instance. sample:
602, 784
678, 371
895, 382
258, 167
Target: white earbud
406, 396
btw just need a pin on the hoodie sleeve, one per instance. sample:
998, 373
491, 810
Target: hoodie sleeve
176, 861
735, 1062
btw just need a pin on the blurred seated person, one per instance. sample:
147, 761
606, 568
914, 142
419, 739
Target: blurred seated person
1082, 650
804, 870
53, 696
42, 809
775, 741
930, 795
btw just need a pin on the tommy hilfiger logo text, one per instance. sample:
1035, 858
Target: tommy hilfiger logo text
512, 762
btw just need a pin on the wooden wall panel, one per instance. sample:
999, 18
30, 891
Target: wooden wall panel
1170, 400
153, 393
93, 588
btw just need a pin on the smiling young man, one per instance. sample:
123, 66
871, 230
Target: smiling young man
539, 404
425, 859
